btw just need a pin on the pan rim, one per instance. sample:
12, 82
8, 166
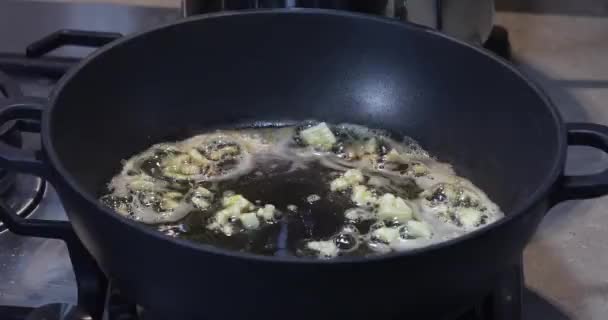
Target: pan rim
521, 208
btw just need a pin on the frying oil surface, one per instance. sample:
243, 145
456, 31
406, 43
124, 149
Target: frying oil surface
313, 190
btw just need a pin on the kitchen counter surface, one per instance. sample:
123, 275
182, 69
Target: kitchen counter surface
567, 261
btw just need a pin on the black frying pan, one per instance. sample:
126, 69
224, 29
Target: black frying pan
461, 103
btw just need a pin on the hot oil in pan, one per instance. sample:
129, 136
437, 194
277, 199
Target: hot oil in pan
273, 182
363, 193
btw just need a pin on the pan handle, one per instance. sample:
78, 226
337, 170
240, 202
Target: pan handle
65, 37
584, 186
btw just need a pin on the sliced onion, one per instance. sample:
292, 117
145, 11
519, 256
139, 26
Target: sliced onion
120, 185
359, 214
150, 216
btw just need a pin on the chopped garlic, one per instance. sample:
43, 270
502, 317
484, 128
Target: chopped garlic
218, 154
339, 184
203, 192
227, 229
418, 229
391, 208
200, 203
378, 181
313, 198
173, 195
234, 206
469, 217
418, 169
371, 146
168, 204
468, 198
267, 212
319, 136
179, 167
326, 249
348, 179
141, 184
201, 198
238, 202
123, 209
225, 215
353, 176
386, 235
250, 220
394, 156
359, 214
363, 196
450, 191
189, 169
442, 193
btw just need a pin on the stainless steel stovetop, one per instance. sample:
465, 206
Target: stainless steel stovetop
37, 271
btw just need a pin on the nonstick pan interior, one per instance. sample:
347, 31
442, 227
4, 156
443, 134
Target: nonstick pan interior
460, 104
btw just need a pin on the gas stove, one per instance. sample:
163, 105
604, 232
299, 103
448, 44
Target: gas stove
56, 278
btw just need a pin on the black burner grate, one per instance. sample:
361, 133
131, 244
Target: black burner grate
19, 192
